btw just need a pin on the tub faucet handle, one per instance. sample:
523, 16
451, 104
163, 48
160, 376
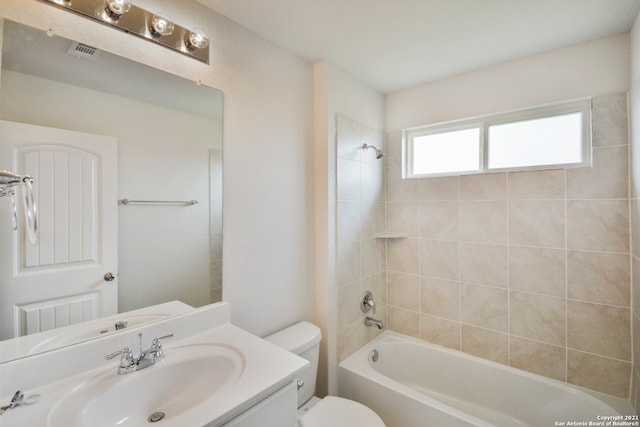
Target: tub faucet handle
367, 302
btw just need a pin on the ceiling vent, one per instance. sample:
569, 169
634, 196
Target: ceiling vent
83, 51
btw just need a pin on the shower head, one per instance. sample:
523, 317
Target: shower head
379, 153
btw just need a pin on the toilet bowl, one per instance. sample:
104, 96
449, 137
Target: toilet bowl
303, 339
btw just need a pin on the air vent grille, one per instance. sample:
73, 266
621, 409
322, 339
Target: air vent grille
83, 51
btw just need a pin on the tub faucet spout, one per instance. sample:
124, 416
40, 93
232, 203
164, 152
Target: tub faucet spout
370, 321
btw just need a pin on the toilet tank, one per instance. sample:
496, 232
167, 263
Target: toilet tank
302, 339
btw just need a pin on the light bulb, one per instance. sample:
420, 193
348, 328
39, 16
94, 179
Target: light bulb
161, 25
116, 8
197, 40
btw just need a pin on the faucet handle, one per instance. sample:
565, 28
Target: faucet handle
367, 302
126, 361
155, 344
124, 352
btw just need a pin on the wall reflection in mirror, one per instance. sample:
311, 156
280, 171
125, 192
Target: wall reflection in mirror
167, 133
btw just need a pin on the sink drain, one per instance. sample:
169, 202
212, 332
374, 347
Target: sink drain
156, 416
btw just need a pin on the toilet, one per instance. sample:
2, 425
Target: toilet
303, 339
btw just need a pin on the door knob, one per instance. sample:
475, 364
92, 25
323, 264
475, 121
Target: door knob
109, 277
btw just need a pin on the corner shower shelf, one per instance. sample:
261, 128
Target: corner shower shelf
390, 235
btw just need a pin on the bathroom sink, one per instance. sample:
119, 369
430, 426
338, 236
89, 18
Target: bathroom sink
186, 378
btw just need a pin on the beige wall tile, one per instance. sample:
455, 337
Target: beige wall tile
350, 339
404, 290
402, 255
348, 179
349, 297
404, 321
636, 339
371, 219
492, 256
635, 399
537, 184
393, 149
483, 221
598, 225
444, 188
440, 298
404, 217
599, 277
485, 307
484, 263
348, 262
401, 190
373, 137
539, 358
608, 178
599, 329
537, 223
603, 374
610, 120
371, 182
439, 220
348, 138
635, 219
537, 270
371, 251
538, 317
440, 331
439, 258
349, 221
491, 186
635, 293
485, 343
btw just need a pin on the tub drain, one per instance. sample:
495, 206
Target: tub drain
374, 355
156, 416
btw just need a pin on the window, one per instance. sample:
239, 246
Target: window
555, 136
447, 151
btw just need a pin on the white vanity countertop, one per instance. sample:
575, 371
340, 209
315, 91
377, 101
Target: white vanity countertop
54, 375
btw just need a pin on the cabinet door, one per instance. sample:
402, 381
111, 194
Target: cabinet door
277, 410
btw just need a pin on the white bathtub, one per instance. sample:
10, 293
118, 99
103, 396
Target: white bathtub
417, 384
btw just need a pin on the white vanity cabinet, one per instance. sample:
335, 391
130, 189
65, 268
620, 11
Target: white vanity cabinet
277, 410
213, 374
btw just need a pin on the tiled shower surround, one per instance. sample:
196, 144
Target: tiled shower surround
528, 269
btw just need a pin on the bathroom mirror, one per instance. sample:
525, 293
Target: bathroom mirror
169, 149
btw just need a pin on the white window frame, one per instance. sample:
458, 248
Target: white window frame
582, 106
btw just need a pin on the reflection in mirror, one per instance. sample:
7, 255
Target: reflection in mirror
167, 133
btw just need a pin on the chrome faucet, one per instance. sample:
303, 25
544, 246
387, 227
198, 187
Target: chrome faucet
370, 321
129, 363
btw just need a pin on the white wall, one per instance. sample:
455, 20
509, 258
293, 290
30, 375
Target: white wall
335, 92
595, 68
268, 205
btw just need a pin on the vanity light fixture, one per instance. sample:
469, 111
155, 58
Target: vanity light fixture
155, 27
116, 8
196, 40
161, 25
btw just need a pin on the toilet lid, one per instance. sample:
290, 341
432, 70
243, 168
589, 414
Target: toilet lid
338, 412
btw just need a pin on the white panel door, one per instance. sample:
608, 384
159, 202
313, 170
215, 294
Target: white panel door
60, 280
